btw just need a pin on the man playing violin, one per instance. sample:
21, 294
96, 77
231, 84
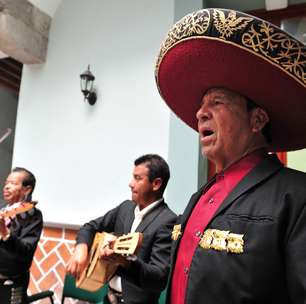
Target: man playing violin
19, 236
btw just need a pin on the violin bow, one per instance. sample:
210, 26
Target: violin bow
6, 134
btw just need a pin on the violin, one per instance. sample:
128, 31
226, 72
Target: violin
17, 208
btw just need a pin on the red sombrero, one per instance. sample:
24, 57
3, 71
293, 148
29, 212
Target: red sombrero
225, 48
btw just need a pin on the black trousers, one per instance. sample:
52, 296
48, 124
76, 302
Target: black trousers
14, 290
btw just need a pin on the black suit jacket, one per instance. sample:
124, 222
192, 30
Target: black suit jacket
146, 277
268, 207
17, 252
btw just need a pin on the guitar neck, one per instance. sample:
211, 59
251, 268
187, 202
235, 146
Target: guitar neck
127, 244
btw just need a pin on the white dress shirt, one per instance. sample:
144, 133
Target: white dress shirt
115, 282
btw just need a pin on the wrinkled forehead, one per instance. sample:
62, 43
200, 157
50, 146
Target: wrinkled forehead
16, 176
222, 92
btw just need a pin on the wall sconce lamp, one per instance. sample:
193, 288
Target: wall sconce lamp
87, 79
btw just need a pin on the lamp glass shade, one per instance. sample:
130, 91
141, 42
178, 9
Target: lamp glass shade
87, 79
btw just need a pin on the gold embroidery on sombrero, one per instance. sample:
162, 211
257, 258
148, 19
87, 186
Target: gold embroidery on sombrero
261, 38
227, 26
194, 24
278, 47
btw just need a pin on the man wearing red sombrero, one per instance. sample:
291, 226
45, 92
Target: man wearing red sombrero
241, 82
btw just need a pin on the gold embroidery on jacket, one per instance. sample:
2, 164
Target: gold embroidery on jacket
235, 243
221, 240
176, 232
206, 239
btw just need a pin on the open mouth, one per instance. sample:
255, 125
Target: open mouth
207, 133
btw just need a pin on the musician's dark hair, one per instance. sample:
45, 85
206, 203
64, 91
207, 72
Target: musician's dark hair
29, 179
158, 168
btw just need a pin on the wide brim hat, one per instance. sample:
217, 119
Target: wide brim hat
226, 48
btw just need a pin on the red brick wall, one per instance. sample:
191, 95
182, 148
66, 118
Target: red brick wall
48, 267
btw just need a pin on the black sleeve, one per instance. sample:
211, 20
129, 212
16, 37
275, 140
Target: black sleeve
23, 240
296, 259
153, 275
104, 223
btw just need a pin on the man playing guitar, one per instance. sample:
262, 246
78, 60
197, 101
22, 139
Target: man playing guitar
145, 276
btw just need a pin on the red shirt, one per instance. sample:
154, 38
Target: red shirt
202, 213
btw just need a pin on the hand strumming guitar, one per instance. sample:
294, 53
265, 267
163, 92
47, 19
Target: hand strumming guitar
78, 261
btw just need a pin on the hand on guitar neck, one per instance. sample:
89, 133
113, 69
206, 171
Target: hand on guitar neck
107, 253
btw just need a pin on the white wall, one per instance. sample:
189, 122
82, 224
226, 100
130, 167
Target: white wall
183, 142
83, 155
297, 160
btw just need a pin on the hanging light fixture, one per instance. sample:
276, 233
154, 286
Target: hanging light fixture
87, 80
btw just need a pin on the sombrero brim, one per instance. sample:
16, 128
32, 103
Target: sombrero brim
195, 63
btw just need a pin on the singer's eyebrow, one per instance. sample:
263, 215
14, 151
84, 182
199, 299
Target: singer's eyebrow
216, 98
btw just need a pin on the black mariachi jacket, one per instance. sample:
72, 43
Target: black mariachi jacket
268, 209
146, 277
16, 254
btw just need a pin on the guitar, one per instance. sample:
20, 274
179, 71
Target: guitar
98, 271
17, 208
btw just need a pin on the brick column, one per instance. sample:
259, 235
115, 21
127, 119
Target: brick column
48, 268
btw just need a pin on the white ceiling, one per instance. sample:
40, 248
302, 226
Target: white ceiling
48, 6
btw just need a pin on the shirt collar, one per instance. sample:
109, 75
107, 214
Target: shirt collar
141, 213
250, 160
241, 168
